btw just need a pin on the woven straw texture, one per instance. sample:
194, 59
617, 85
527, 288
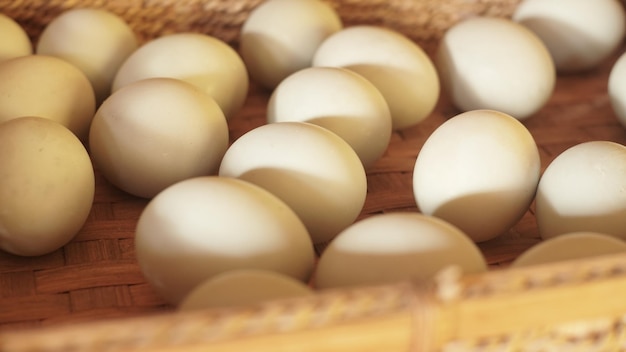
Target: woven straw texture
96, 277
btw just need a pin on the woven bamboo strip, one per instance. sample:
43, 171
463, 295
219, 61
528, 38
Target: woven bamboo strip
511, 309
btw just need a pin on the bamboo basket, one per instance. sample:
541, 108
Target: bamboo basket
91, 296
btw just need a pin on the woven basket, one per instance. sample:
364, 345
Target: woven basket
90, 295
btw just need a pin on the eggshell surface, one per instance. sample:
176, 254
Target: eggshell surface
579, 34
582, 189
339, 100
243, 287
497, 64
310, 168
397, 66
202, 60
576, 245
155, 132
49, 87
392, 247
47, 186
201, 227
280, 37
479, 171
94, 40
15, 41
617, 89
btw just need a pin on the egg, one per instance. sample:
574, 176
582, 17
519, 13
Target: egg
479, 171
617, 89
398, 67
392, 247
96, 41
47, 185
314, 171
497, 64
339, 100
570, 246
202, 60
204, 226
243, 287
280, 37
15, 41
584, 189
580, 34
155, 132
49, 87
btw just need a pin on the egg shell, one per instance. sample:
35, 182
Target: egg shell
96, 41
570, 246
393, 247
310, 168
243, 287
479, 171
204, 226
280, 37
47, 186
617, 89
49, 87
155, 132
579, 34
584, 189
340, 101
495, 63
202, 60
398, 67
15, 41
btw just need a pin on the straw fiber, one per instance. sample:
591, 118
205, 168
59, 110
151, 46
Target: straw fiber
95, 277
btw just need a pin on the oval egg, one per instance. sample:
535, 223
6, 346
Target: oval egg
202, 60
96, 41
479, 171
15, 41
280, 37
392, 247
155, 132
582, 189
204, 226
398, 67
310, 168
495, 63
47, 185
49, 87
340, 101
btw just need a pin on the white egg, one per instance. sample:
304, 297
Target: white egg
584, 189
202, 60
397, 66
310, 168
49, 87
47, 185
617, 89
96, 41
391, 247
280, 37
339, 100
495, 63
580, 34
479, 171
570, 246
15, 41
243, 287
155, 132
204, 226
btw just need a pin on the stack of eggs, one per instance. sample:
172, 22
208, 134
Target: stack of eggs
236, 222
